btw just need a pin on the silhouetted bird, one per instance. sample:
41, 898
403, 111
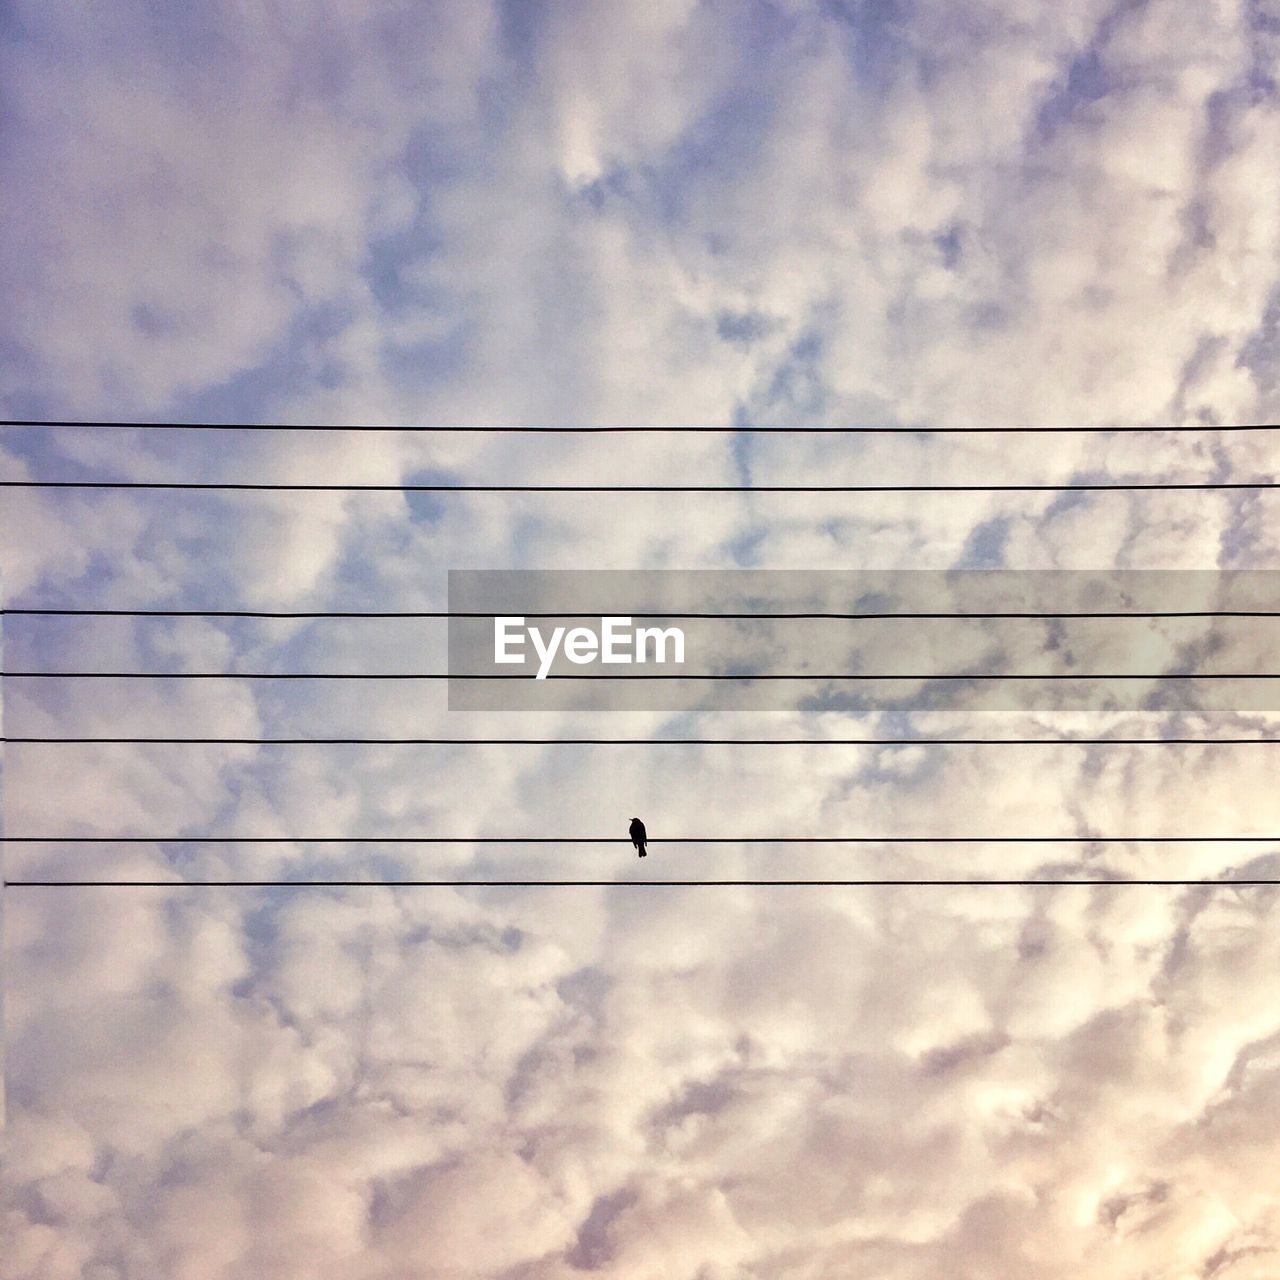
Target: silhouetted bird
639, 837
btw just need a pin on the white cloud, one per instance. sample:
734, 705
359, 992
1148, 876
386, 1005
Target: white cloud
841, 214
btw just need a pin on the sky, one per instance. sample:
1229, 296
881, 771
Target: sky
904, 213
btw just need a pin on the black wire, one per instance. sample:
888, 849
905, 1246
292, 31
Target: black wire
655, 742
492, 675
609, 884
677, 840
597, 430
270, 486
456, 613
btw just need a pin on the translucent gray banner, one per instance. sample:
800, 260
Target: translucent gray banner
864, 640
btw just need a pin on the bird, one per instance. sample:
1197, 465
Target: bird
639, 837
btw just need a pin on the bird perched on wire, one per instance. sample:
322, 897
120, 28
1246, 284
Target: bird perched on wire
639, 837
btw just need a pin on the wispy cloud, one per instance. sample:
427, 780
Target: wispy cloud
846, 213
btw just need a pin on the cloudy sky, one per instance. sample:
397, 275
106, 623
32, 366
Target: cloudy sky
905, 213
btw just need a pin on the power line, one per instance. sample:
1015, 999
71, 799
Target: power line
274, 487
1049, 615
740, 678
637, 428
610, 884
651, 742
623, 840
